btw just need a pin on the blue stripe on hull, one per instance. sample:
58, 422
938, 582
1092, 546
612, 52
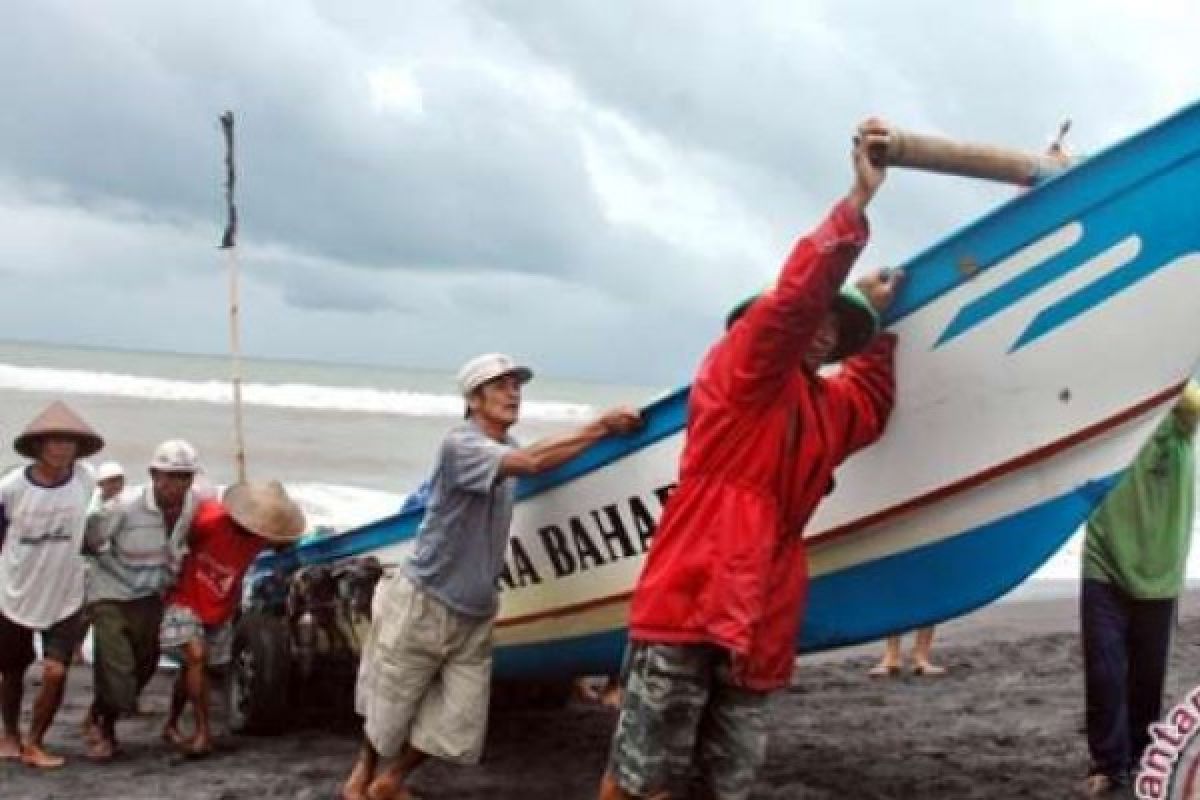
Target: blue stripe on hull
897, 593
943, 580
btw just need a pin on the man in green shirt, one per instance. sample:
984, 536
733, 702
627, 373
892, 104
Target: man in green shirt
1134, 560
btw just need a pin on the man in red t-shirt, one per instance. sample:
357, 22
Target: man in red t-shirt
197, 627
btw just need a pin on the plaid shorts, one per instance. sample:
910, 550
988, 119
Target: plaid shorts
683, 721
180, 625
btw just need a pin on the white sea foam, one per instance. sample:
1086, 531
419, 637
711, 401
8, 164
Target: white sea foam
333, 507
278, 395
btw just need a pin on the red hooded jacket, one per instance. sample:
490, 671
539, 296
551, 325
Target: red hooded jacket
727, 565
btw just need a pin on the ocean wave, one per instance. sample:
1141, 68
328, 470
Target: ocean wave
305, 396
337, 507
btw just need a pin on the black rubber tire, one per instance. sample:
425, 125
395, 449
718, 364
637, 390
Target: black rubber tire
258, 681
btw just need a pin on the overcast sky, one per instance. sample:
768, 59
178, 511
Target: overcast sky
588, 185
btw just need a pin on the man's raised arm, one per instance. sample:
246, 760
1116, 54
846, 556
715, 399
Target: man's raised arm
554, 450
778, 327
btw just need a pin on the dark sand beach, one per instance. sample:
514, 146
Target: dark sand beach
1005, 722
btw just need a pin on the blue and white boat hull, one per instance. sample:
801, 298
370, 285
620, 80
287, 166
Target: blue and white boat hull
1039, 347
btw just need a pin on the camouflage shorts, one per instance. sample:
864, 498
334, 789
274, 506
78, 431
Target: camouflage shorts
683, 722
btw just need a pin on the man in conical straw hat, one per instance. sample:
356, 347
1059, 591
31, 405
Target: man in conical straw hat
43, 509
197, 628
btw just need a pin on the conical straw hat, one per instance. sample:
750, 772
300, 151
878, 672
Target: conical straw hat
265, 510
58, 418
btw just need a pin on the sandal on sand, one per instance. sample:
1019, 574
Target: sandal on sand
884, 671
929, 670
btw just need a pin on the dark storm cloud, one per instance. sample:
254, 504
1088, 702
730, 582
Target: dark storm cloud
483, 177
776, 88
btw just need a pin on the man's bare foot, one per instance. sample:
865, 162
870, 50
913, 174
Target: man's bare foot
355, 787
33, 755
1098, 785
101, 748
197, 747
173, 736
387, 787
10, 748
584, 691
91, 729
884, 669
928, 669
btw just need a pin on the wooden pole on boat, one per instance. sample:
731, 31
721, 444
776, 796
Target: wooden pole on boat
229, 245
968, 159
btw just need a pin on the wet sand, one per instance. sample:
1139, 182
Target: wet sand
1005, 722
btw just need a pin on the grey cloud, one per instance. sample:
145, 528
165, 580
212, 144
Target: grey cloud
775, 88
485, 178
336, 298
323, 295
479, 222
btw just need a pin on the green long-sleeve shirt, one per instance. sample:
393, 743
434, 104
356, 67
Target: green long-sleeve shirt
1139, 537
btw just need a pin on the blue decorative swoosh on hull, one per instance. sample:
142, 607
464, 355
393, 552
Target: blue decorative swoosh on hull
945, 579
1166, 245
1005, 296
1130, 173
1152, 210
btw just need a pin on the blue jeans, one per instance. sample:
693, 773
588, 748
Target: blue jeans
1125, 647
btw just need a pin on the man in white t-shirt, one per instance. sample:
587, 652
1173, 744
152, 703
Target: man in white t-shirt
43, 510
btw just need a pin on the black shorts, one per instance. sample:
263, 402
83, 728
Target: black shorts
58, 642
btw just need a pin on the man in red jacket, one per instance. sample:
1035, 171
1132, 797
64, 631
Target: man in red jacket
715, 616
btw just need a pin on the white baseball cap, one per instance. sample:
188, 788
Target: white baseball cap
481, 369
175, 455
108, 470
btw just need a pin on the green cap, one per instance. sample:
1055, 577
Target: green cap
858, 322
